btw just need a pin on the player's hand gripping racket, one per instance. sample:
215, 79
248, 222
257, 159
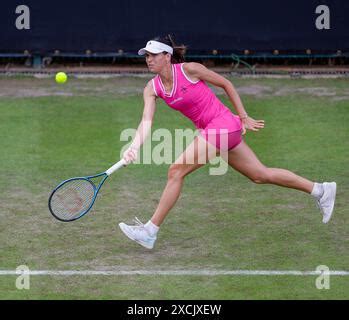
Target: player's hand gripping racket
74, 197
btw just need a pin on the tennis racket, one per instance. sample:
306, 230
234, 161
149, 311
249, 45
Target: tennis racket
74, 197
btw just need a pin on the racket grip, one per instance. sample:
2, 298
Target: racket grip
116, 166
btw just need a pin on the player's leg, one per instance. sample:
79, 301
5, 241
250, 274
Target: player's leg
244, 160
196, 155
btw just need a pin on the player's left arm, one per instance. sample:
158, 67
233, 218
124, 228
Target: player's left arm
197, 71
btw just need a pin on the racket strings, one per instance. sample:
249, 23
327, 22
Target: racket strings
72, 199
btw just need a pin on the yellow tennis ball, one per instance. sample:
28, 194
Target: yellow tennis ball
61, 77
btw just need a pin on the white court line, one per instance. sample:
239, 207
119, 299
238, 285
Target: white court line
172, 273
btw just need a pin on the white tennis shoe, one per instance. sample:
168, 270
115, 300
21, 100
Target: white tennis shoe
326, 202
138, 233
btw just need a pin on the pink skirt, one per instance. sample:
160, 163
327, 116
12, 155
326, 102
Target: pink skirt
227, 138
221, 139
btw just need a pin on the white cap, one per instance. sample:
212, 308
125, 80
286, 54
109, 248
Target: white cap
155, 47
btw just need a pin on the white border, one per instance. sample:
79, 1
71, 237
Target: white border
154, 88
202, 272
174, 83
187, 76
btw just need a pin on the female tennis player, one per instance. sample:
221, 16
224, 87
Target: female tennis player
183, 87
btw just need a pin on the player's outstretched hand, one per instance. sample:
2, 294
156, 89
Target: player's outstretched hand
130, 155
251, 124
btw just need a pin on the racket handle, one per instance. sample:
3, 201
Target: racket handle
116, 166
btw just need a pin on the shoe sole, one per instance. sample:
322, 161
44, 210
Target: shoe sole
124, 230
333, 194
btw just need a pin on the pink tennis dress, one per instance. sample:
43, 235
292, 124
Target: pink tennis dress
195, 100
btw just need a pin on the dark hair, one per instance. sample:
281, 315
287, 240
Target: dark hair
178, 50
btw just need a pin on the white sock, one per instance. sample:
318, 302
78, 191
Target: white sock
151, 228
318, 190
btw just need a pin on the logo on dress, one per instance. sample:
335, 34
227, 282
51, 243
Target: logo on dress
184, 89
176, 100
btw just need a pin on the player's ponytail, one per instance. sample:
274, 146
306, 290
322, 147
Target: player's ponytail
178, 50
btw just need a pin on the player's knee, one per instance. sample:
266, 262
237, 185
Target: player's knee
175, 172
262, 176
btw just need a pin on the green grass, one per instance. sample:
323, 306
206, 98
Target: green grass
220, 222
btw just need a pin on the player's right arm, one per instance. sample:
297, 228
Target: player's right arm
145, 125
